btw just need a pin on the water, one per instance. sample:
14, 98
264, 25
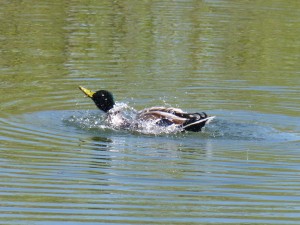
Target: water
62, 164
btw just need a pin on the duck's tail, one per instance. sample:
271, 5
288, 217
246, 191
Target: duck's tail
197, 121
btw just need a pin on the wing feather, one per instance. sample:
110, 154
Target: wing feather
156, 115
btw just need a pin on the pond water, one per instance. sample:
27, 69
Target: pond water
236, 60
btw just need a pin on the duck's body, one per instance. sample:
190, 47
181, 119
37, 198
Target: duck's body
162, 116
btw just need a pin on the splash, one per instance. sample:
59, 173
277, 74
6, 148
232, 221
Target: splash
220, 129
86, 120
121, 117
151, 127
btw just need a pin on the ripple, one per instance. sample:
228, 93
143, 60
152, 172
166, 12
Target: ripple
56, 128
56, 164
230, 129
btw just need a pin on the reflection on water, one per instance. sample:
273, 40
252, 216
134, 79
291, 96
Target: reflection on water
237, 60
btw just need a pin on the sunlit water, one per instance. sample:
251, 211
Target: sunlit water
62, 163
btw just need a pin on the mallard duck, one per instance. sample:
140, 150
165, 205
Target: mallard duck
163, 116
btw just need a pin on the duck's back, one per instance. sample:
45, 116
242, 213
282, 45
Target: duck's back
167, 116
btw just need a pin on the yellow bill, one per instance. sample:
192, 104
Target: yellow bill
88, 92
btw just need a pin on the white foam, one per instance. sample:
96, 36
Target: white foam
124, 117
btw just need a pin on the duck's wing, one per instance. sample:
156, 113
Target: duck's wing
172, 111
163, 115
167, 116
162, 109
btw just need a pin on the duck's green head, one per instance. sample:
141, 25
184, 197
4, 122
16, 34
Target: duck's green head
104, 100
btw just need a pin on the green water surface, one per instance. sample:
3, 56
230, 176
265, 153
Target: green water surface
237, 60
